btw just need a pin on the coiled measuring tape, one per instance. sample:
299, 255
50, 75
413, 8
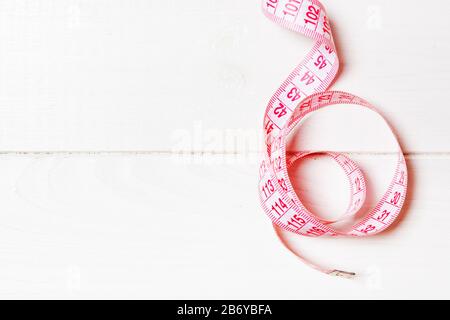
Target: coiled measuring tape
302, 93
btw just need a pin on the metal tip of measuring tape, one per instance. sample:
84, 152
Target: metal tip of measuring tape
342, 274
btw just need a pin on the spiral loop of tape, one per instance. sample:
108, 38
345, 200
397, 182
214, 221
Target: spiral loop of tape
302, 93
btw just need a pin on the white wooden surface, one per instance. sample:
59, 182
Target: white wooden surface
98, 98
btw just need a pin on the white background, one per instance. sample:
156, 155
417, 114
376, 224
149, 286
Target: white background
129, 139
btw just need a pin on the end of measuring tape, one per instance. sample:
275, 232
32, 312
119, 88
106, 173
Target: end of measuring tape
342, 274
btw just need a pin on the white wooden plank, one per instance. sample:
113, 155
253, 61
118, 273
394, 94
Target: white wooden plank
120, 75
143, 226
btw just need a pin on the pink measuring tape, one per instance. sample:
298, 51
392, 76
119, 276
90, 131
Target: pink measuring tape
301, 93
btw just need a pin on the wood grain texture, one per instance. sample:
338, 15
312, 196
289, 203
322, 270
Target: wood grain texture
129, 149
121, 226
115, 75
